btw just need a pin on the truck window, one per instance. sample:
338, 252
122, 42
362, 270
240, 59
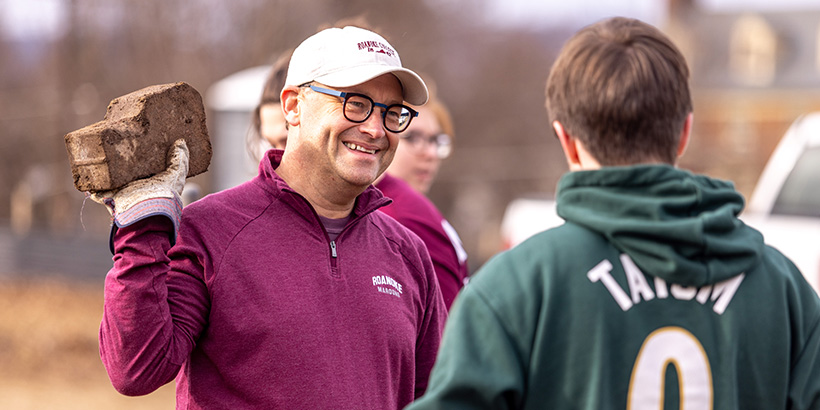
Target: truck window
800, 195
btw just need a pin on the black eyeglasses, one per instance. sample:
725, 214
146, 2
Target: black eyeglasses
358, 107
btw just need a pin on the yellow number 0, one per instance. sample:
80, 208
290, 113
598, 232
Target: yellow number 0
676, 346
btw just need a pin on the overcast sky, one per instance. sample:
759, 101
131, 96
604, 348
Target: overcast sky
31, 18
42, 18
582, 12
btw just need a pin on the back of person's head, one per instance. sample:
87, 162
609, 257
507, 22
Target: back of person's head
271, 91
620, 86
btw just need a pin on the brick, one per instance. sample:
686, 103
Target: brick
132, 140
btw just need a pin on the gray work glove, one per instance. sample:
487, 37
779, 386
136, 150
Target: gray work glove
155, 195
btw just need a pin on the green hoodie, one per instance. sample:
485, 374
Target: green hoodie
680, 227
653, 295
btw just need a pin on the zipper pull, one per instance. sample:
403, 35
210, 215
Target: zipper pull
333, 249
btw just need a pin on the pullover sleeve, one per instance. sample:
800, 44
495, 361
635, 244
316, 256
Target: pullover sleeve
479, 364
477, 367
804, 385
443, 255
805, 388
149, 327
431, 328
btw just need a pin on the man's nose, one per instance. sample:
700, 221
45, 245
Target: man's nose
374, 125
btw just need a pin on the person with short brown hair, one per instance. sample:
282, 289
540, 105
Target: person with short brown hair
653, 294
622, 90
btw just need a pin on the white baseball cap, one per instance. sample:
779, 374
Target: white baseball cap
344, 57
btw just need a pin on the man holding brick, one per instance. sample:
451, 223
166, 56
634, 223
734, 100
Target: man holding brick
287, 291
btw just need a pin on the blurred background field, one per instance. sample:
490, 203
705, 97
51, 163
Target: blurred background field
48, 348
754, 71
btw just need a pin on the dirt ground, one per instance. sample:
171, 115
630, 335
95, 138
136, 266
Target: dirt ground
48, 349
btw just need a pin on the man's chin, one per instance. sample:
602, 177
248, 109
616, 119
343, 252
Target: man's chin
361, 181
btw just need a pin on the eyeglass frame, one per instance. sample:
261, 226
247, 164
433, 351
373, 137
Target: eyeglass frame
385, 108
443, 150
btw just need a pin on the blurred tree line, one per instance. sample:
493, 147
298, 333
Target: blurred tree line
491, 77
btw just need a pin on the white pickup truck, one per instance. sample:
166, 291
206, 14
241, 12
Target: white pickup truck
785, 205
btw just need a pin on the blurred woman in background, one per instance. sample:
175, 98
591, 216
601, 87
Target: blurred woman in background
422, 147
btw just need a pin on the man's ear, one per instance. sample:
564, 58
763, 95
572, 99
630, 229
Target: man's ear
290, 105
685, 133
568, 144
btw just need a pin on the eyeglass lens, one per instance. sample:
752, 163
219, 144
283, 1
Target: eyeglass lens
357, 108
441, 142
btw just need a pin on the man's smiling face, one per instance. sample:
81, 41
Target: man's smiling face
341, 151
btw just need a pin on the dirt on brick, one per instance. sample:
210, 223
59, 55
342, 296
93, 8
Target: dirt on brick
132, 140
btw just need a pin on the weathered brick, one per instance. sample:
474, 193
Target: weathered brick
132, 140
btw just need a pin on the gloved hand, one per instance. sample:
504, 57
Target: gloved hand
155, 195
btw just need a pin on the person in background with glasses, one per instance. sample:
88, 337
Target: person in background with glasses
426, 142
288, 291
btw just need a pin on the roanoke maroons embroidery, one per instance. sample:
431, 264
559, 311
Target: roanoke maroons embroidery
386, 284
377, 47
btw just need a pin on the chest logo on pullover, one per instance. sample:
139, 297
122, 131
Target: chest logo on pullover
387, 285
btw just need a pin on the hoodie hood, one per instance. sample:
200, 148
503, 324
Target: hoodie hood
675, 225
